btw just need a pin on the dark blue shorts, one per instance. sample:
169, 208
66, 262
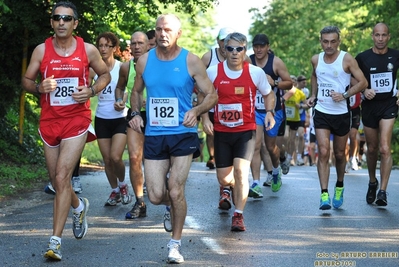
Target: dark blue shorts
161, 147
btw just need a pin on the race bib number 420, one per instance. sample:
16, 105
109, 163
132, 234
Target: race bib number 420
230, 115
62, 95
164, 111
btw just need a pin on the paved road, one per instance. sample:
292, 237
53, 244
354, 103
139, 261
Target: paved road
283, 229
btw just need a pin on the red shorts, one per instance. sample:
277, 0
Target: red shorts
53, 132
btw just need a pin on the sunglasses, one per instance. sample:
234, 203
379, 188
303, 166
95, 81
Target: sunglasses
238, 48
63, 17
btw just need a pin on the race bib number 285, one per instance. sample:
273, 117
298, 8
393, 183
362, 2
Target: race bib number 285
62, 95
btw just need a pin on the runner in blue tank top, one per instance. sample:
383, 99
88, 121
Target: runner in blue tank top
169, 72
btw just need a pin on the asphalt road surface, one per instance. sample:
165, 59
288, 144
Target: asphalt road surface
283, 229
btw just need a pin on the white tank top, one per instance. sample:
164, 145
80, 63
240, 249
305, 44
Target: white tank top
331, 77
214, 61
106, 98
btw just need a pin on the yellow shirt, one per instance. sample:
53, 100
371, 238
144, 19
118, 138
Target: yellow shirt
291, 110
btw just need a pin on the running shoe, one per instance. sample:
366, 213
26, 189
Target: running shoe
354, 164
53, 250
255, 191
211, 164
338, 197
79, 224
347, 167
269, 180
139, 210
276, 182
381, 198
225, 201
174, 255
372, 192
76, 185
113, 199
125, 197
49, 189
167, 220
237, 224
300, 162
285, 166
325, 202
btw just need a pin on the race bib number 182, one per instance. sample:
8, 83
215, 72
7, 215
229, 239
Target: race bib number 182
164, 111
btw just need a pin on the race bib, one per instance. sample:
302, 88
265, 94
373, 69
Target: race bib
325, 92
164, 111
107, 94
62, 95
230, 115
381, 82
290, 112
259, 101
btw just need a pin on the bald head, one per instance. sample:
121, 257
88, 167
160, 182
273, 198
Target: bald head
140, 35
380, 38
138, 44
381, 27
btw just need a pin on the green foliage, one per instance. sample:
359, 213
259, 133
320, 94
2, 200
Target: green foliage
24, 25
293, 29
21, 165
395, 143
298, 39
16, 178
196, 31
27, 24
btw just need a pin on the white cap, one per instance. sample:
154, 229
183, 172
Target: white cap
224, 32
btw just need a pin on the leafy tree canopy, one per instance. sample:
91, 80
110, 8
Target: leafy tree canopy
25, 24
293, 27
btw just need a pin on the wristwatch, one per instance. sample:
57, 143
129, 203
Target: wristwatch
345, 95
134, 113
271, 111
276, 83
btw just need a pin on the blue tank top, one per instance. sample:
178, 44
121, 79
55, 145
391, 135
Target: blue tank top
169, 88
268, 69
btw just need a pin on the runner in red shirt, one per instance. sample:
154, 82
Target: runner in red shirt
236, 82
63, 62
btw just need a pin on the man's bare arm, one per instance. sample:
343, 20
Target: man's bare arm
282, 71
204, 85
29, 80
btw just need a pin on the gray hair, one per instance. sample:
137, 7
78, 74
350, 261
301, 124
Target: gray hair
330, 29
236, 36
175, 19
